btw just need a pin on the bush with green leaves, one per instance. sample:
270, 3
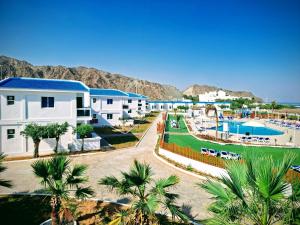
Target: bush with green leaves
56, 130
83, 130
255, 192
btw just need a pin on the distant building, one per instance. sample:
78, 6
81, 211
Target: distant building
213, 96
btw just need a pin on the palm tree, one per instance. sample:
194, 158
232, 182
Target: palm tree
273, 105
3, 182
55, 130
37, 133
60, 181
209, 108
145, 200
253, 193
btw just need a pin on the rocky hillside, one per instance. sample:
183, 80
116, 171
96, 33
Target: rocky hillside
10, 67
201, 89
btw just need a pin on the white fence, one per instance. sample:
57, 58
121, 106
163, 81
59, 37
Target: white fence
199, 166
89, 144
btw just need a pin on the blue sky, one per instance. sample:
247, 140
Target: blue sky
239, 45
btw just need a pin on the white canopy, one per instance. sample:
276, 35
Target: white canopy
252, 123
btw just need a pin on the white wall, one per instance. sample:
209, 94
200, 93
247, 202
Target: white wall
202, 167
27, 109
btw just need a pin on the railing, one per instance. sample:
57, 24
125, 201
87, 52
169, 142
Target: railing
83, 112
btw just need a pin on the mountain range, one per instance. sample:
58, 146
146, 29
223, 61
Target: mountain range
11, 67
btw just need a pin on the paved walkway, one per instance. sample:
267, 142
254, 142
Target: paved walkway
111, 163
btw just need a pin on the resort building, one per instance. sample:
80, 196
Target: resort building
213, 96
170, 105
41, 101
112, 107
136, 105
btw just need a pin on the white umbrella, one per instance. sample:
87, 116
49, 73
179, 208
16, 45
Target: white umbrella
253, 124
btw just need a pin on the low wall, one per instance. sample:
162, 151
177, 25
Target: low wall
89, 144
199, 166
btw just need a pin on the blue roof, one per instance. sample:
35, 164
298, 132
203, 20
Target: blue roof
134, 95
107, 92
44, 84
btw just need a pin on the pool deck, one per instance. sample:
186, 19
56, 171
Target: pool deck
281, 140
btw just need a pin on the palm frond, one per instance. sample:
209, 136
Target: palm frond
5, 183
79, 170
84, 192
41, 170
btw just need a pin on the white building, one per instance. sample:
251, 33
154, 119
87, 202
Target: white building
107, 106
41, 101
213, 96
112, 107
136, 105
170, 105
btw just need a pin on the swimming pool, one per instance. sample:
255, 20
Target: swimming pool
243, 130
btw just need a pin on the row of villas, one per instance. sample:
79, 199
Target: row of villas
44, 101
170, 105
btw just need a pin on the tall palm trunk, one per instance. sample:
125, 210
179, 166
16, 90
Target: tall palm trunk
55, 204
36, 148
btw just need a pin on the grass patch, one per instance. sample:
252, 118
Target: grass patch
141, 125
123, 141
196, 144
182, 127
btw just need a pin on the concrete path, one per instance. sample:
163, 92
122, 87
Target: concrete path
111, 163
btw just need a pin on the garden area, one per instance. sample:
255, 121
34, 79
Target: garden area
196, 144
181, 124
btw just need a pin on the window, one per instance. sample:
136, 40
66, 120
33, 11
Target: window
10, 133
94, 116
161, 107
139, 108
109, 101
129, 111
79, 102
140, 104
10, 100
94, 100
129, 100
140, 100
109, 116
47, 102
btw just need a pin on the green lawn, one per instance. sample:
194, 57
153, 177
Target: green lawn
196, 144
182, 128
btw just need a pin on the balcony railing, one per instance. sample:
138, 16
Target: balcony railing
83, 112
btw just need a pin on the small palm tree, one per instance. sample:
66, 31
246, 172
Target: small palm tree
254, 193
214, 109
56, 130
273, 105
83, 130
37, 133
60, 181
3, 182
146, 200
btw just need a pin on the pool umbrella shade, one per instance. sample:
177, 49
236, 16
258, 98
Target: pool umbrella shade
253, 124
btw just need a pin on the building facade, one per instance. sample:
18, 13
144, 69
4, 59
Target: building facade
40, 101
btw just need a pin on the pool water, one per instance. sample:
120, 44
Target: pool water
233, 127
